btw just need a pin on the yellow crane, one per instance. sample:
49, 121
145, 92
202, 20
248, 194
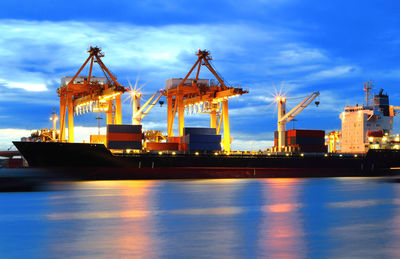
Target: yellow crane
80, 94
211, 97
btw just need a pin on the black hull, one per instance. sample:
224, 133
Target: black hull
94, 161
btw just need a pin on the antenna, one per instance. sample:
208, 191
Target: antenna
368, 85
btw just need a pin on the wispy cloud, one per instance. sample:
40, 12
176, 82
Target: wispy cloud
338, 71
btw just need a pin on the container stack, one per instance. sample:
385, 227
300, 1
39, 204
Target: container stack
124, 136
201, 139
162, 146
307, 140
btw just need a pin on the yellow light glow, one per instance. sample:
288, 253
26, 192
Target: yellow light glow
160, 153
326, 155
384, 138
197, 153
287, 154
216, 153
371, 139
301, 154
355, 155
173, 153
397, 139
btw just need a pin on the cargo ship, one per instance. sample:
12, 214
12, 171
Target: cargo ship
127, 152
95, 161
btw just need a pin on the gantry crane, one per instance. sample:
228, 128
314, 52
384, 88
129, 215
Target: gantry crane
284, 117
82, 94
191, 92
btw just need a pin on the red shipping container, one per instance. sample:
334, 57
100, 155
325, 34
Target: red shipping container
162, 146
306, 133
175, 139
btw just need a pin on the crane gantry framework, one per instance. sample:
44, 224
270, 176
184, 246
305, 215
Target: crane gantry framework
191, 92
81, 94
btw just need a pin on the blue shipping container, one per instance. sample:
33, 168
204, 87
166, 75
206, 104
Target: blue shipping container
125, 128
202, 138
199, 131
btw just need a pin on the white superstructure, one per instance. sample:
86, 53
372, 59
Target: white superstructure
359, 122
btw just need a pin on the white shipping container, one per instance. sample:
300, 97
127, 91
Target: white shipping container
174, 82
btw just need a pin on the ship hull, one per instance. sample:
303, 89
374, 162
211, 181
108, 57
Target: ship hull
94, 161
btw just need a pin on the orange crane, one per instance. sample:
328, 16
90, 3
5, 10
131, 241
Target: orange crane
206, 95
82, 94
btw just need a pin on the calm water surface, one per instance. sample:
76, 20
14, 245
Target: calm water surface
274, 218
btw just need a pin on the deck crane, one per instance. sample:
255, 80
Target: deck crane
284, 117
190, 92
138, 113
81, 94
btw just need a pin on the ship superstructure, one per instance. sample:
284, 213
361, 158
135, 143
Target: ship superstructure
360, 124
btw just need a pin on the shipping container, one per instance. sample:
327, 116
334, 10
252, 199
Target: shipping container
174, 82
124, 128
305, 133
305, 141
98, 139
204, 147
162, 146
124, 144
190, 138
199, 131
175, 139
183, 147
111, 136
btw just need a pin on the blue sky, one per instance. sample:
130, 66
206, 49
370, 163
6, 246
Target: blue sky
263, 46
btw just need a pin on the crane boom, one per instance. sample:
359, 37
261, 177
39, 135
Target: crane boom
141, 113
284, 117
299, 108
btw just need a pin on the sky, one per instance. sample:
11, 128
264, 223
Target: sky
264, 46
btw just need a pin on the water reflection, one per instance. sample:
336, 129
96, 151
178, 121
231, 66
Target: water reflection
107, 219
281, 232
246, 218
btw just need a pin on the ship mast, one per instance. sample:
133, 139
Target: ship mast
367, 87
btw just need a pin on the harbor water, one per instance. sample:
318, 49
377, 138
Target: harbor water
228, 218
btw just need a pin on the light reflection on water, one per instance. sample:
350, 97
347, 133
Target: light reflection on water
275, 218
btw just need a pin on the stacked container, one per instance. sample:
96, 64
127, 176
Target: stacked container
307, 140
124, 136
201, 139
162, 146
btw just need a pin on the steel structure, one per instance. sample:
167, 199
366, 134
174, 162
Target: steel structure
138, 113
212, 98
83, 94
284, 117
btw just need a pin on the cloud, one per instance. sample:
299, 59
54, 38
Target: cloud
338, 71
26, 86
32, 66
9, 135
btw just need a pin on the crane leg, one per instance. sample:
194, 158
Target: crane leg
118, 115
225, 117
170, 114
70, 119
109, 113
62, 117
181, 114
213, 119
